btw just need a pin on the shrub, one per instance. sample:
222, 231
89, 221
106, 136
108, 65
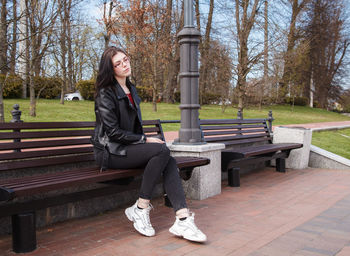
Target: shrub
209, 98
49, 88
298, 101
12, 86
145, 93
177, 96
86, 89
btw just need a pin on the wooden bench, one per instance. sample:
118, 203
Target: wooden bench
26, 148
247, 141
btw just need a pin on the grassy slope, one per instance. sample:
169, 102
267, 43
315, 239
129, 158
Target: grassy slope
337, 141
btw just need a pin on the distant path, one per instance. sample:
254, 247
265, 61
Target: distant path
170, 136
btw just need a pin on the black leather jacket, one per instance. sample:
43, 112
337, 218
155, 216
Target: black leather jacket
118, 121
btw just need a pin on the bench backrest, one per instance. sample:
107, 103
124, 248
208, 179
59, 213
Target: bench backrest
38, 144
235, 131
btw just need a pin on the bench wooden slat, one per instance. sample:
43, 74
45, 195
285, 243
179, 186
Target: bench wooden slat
45, 162
47, 177
233, 127
81, 180
186, 162
150, 130
44, 153
263, 149
46, 125
236, 137
231, 121
246, 141
44, 143
44, 134
225, 132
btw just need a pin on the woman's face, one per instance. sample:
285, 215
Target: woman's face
121, 65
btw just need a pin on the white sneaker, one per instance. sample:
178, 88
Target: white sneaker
187, 229
140, 217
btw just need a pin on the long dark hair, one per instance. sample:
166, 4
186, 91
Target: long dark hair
105, 76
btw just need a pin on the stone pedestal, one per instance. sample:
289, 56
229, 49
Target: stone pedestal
298, 158
205, 180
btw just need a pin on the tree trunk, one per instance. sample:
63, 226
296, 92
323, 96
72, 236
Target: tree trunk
266, 50
63, 39
3, 35
23, 48
108, 22
2, 117
14, 39
155, 81
3, 54
69, 47
311, 104
32, 106
244, 27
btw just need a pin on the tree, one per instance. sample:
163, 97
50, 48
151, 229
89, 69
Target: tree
173, 57
204, 48
293, 34
143, 29
244, 25
328, 47
41, 18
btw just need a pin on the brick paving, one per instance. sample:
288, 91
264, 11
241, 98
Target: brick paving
300, 213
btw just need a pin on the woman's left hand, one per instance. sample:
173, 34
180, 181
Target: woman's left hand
154, 140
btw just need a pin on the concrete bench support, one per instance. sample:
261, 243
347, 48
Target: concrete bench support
205, 180
298, 158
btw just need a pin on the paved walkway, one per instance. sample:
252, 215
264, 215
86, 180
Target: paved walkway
300, 213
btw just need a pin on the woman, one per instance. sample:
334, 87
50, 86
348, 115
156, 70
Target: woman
119, 142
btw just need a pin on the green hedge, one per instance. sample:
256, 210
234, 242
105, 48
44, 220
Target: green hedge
86, 89
51, 87
13, 86
298, 101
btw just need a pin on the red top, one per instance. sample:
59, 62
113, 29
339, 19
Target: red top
130, 98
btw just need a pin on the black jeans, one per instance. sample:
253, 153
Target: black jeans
156, 160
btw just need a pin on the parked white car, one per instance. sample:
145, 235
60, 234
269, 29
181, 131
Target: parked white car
73, 96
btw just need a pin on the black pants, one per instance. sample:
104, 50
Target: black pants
156, 160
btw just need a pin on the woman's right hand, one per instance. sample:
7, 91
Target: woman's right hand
154, 140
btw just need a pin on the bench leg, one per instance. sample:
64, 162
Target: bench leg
281, 164
23, 232
233, 177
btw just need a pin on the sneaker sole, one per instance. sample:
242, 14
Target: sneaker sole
129, 216
172, 231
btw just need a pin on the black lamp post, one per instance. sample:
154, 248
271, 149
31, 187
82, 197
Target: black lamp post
190, 132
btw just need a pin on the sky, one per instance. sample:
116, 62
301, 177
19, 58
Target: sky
219, 28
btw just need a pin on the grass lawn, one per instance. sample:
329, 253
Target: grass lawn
335, 141
52, 110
